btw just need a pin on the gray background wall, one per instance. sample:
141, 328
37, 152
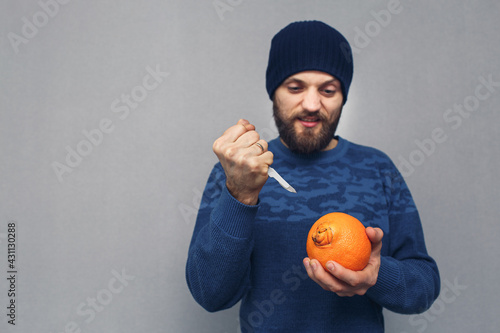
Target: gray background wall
127, 207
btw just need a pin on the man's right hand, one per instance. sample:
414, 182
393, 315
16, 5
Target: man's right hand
244, 161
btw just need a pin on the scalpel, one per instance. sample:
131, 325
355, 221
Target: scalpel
273, 174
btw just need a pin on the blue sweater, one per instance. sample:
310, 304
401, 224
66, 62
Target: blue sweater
254, 253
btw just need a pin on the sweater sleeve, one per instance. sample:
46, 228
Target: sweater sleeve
218, 264
408, 280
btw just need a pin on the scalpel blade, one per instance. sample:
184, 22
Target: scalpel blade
273, 174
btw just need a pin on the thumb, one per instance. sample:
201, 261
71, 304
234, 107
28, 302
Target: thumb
375, 235
245, 123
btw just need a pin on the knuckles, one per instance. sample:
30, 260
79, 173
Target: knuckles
217, 146
230, 153
253, 135
253, 165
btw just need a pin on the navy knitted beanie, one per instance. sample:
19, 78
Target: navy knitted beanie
309, 45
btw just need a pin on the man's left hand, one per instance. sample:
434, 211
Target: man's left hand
343, 281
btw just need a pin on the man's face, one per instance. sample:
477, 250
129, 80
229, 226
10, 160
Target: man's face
307, 108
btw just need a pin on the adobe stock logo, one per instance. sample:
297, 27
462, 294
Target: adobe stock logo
222, 6
122, 107
30, 27
373, 28
454, 118
98, 302
450, 291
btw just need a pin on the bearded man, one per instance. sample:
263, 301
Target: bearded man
248, 243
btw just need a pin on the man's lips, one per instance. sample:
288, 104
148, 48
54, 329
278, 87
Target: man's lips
309, 121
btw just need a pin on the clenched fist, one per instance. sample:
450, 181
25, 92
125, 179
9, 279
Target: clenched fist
245, 159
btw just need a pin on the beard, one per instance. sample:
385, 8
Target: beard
308, 141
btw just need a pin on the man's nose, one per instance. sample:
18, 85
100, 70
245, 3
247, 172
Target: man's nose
312, 101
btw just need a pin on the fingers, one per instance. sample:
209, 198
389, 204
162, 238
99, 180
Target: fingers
338, 279
241, 141
262, 145
246, 124
236, 131
374, 234
350, 278
324, 278
241, 135
245, 159
265, 156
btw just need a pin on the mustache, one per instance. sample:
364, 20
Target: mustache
315, 114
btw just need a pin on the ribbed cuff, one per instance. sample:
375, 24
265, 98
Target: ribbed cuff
388, 279
233, 217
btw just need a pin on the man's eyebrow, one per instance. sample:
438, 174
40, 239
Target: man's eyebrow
294, 79
329, 81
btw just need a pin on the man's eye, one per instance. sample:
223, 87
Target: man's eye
294, 89
329, 91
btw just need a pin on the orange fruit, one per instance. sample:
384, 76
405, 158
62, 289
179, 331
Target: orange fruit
339, 237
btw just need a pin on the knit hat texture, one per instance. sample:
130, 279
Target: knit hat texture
309, 45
